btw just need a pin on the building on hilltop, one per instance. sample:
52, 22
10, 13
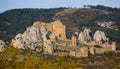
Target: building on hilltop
52, 38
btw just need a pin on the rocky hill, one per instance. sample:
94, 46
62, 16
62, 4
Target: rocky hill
15, 21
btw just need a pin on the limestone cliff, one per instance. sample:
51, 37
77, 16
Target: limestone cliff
34, 39
30, 39
47, 45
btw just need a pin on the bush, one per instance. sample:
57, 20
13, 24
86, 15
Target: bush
13, 58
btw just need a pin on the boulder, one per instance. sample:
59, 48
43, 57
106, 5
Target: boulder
2, 45
99, 36
84, 36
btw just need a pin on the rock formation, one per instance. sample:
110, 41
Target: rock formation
99, 36
84, 36
2, 45
44, 33
34, 38
47, 45
40, 36
30, 39
108, 25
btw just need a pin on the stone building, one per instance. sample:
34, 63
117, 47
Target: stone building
92, 50
105, 48
56, 27
113, 45
44, 35
81, 52
84, 51
74, 40
52, 37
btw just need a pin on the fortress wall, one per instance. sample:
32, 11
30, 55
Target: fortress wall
113, 45
57, 27
102, 50
59, 30
49, 26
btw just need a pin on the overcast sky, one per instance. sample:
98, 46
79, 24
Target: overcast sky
12, 4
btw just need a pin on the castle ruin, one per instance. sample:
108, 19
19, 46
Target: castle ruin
57, 28
55, 32
58, 32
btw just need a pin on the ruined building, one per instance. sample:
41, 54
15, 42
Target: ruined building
51, 36
57, 28
81, 52
98, 43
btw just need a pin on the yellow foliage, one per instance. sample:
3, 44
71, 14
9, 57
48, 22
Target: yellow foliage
13, 58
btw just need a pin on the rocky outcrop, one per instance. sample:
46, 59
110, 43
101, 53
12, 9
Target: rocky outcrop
44, 33
2, 45
34, 38
47, 45
100, 36
108, 25
84, 36
30, 39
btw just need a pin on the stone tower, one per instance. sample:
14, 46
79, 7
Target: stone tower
57, 27
74, 40
59, 30
113, 46
92, 50
106, 44
84, 51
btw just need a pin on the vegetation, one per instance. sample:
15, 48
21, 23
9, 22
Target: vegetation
40, 48
102, 7
15, 21
13, 58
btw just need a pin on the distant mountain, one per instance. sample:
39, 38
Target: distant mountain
16, 20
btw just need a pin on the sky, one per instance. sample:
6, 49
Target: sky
14, 4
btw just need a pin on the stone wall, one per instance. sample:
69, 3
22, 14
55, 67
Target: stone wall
74, 40
84, 51
81, 52
102, 50
113, 45
92, 50
55, 27
59, 30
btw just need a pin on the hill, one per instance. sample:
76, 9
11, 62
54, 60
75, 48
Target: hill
16, 20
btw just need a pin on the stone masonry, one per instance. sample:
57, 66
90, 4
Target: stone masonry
57, 28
